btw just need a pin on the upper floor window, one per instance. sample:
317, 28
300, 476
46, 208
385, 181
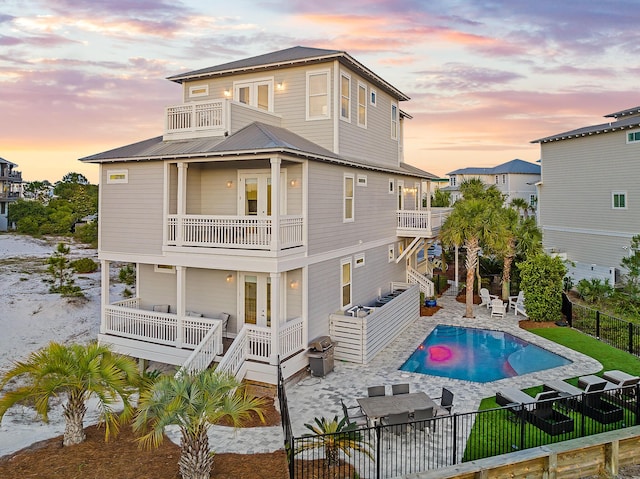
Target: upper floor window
373, 97
391, 186
318, 95
619, 200
394, 121
452, 180
117, 176
348, 198
633, 136
199, 90
345, 97
362, 105
258, 93
497, 179
504, 179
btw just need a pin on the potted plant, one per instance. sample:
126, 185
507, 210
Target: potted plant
430, 302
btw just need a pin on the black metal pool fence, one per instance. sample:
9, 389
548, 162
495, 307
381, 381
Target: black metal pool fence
617, 332
385, 451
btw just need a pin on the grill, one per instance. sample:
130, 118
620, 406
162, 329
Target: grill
321, 356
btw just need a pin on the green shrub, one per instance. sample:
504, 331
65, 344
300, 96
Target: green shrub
127, 274
541, 280
84, 265
594, 290
87, 233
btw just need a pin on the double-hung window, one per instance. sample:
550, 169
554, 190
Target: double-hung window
394, 121
362, 105
348, 215
318, 95
619, 200
345, 97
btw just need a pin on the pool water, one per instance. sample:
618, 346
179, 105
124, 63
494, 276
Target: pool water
478, 355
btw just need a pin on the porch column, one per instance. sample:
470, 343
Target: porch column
182, 201
275, 204
181, 276
104, 294
276, 316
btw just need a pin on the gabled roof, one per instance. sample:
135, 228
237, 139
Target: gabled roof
511, 167
288, 57
7, 162
625, 119
254, 138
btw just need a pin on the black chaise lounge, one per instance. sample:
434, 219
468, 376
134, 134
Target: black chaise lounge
538, 411
589, 401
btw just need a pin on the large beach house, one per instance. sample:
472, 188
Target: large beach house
589, 194
276, 208
10, 187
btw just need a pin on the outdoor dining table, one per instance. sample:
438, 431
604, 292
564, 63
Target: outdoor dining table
380, 406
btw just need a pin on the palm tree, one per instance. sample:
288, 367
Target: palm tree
193, 403
335, 436
79, 371
520, 204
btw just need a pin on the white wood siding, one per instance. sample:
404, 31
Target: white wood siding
131, 213
579, 176
375, 215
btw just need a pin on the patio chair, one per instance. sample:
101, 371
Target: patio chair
161, 308
374, 391
516, 300
486, 297
421, 418
398, 422
357, 417
446, 400
497, 308
400, 388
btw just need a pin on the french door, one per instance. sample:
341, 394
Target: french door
256, 292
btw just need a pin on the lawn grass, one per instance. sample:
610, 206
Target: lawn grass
493, 433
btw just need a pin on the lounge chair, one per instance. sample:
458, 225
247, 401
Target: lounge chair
486, 297
400, 388
497, 308
588, 401
620, 379
538, 411
621, 388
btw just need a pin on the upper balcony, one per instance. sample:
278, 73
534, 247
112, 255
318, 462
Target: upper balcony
423, 223
219, 117
11, 177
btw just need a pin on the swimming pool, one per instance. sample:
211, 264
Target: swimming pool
479, 355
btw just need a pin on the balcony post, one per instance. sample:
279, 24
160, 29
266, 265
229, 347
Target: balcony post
181, 276
182, 202
275, 203
104, 294
276, 315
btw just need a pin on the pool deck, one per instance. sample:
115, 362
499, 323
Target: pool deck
316, 397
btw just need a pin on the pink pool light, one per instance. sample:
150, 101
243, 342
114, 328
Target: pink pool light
440, 353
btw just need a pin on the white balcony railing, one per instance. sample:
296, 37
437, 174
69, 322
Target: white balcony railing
197, 116
421, 221
245, 232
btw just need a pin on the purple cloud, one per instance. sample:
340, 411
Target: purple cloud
461, 77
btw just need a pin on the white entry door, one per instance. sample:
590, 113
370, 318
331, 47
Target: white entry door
256, 294
255, 194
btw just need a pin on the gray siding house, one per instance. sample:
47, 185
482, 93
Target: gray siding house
589, 193
10, 188
274, 206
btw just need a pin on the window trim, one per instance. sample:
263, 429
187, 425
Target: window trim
343, 263
253, 89
348, 176
613, 200
361, 181
114, 181
363, 105
164, 268
359, 260
452, 180
326, 72
194, 88
533, 200
634, 133
394, 121
373, 97
346, 76
392, 186
504, 179
391, 249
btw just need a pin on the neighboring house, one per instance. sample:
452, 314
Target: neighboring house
590, 195
514, 179
10, 187
275, 204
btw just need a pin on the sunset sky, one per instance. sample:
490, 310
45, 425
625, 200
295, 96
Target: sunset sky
485, 78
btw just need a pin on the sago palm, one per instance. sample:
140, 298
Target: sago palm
193, 403
334, 436
79, 372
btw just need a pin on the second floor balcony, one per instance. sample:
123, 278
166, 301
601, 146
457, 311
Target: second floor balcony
425, 223
219, 117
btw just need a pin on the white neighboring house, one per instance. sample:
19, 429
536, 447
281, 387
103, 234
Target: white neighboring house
590, 195
515, 179
275, 204
10, 188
